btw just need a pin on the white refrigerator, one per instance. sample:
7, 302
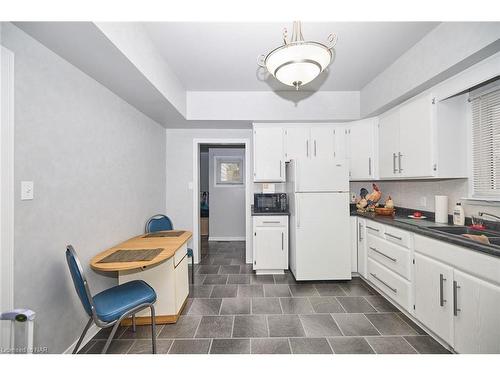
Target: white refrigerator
319, 219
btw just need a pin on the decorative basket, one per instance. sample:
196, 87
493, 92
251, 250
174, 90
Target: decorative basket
384, 211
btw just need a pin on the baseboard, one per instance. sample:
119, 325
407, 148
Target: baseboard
226, 238
94, 330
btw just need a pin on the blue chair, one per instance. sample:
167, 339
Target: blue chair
160, 222
109, 307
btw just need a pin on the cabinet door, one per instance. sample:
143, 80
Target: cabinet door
354, 244
269, 163
362, 253
361, 150
388, 142
181, 283
297, 143
270, 247
415, 154
322, 142
477, 317
434, 296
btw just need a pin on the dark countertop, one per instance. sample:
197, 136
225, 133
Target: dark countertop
286, 213
424, 228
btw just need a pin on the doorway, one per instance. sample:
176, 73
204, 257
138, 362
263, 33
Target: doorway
221, 209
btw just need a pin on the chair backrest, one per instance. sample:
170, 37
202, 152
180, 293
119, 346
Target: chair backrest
158, 223
79, 280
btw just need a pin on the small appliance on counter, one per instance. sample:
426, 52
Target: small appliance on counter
274, 202
441, 209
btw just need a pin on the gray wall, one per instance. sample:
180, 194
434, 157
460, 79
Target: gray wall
98, 167
227, 202
204, 166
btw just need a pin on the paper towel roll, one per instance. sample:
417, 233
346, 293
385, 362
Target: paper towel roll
441, 205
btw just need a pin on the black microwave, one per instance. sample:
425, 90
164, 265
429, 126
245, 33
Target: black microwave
276, 202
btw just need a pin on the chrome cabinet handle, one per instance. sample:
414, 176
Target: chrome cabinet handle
282, 242
385, 255
280, 168
375, 229
360, 238
394, 290
455, 298
393, 236
369, 166
271, 222
399, 162
394, 170
314, 147
307, 147
442, 301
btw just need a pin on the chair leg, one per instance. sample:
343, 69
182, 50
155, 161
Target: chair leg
75, 350
153, 327
133, 323
111, 335
192, 270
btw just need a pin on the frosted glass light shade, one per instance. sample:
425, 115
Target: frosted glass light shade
297, 64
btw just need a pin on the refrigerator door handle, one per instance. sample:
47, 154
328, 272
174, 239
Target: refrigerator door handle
297, 211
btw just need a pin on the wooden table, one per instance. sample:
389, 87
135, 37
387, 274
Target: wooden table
167, 273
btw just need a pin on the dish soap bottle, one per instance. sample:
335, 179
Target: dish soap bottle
458, 214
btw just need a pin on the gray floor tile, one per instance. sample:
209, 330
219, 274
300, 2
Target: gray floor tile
184, 328
145, 346
250, 326
390, 324
411, 323
286, 278
250, 291
190, 346
270, 346
235, 306
198, 279
326, 305
266, 305
303, 290
381, 304
261, 279
221, 261
233, 270
310, 346
237, 262
319, 325
355, 325
329, 290
205, 306
426, 345
296, 305
356, 305
390, 345
215, 280
187, 306
238, 279
280, 290
116, 347
84, 349
103, 334
215, 326
224, 291
356, 290
285, 326
141, 332
350, 345
200, 291
246, 269
230, 346
208, 269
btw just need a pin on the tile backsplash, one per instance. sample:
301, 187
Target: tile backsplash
419, 194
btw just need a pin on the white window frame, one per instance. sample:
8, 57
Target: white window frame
228, 159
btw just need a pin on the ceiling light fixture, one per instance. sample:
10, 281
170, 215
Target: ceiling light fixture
298, 62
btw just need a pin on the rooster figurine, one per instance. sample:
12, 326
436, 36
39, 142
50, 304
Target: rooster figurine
362, 203
374, 196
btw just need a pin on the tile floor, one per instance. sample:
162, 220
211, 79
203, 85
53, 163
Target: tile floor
232, 310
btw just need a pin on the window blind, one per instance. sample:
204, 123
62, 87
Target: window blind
486, 144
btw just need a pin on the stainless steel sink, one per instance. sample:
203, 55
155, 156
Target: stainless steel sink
465, 230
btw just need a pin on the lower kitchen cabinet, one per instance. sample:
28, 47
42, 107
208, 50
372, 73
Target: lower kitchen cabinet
476, 314
362, 254
433, 303
270, 245
354, 245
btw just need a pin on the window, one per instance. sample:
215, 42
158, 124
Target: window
228, 170
486, 145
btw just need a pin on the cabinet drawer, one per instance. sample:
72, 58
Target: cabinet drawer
270, 221
374, 228
390, 283
394, 257
397, 236
180, 254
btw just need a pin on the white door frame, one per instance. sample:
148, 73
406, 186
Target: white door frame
196, 191
6, 188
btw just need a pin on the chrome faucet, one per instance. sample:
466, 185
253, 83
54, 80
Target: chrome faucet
487, 214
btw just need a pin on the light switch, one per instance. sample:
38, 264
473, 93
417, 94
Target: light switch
26, 190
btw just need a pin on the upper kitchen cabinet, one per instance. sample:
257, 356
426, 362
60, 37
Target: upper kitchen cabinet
362, 149
269, 154
423, 138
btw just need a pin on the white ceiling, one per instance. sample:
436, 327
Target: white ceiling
223, 56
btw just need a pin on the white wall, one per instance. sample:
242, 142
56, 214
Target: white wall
99, 172
179, 166
227, 202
